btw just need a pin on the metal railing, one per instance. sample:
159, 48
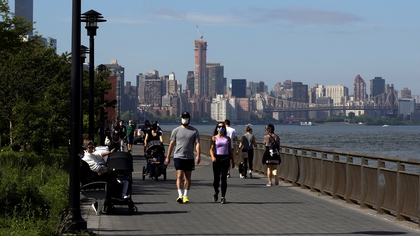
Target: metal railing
385, 184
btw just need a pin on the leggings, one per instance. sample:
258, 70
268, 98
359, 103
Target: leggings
249, 163
220, 167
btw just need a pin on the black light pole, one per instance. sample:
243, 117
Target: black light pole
83, 50
74, 220
91, 18
102, 68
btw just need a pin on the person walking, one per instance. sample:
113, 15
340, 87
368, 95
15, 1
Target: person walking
115, 137
184, 138
246, 146
130, 135
123, 133
221, 156
146, 129
271, 156
154, 134
231, 133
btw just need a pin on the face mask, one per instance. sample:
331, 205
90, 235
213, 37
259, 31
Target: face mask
221, 130
185, 121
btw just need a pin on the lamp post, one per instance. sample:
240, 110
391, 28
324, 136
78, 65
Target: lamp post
91, 18
74, 220
83, 51
102, 68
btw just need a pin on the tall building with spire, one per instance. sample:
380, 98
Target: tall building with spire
201, 85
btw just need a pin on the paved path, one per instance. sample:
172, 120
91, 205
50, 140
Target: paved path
251, 209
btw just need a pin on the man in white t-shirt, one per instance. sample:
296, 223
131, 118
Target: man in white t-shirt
231, 132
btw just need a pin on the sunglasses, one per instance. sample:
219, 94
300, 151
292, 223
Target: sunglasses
91, 147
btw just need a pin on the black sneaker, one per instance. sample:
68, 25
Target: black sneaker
223, 200
215, 197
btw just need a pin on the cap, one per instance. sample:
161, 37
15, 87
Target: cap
185, 115
146, 121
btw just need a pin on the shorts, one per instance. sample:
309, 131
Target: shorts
130, 139
184, 164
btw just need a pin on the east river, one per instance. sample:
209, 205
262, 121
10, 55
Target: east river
396, 141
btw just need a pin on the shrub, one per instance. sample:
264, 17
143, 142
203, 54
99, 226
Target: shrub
34, 192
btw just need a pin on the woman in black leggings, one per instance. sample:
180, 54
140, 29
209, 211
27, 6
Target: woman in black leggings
247, 145
221, 156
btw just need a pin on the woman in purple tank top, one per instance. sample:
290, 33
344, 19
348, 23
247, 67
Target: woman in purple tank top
222, 156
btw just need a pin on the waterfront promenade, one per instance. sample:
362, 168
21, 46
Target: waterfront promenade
251, 209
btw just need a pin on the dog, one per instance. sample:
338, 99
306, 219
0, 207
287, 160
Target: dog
242, 170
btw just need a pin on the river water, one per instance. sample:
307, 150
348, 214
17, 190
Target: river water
395, 141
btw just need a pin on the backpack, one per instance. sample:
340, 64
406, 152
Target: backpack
274, 151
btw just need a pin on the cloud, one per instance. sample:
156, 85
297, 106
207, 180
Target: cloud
257, 15
196, 17
304, 16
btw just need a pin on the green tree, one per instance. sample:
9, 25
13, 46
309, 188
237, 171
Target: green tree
12, 29
35, 87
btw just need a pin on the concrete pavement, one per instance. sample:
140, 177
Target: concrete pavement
251, 209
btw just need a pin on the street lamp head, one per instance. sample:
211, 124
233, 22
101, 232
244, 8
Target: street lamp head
83, 51
92, 18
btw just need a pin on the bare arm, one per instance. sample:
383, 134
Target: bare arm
198, 151
240, 144
231, 152
168, 155
213, 158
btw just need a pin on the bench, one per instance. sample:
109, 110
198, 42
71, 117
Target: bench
91, 188
95, 190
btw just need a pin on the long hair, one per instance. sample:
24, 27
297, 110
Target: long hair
270, 128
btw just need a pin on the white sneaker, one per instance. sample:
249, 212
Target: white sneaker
94, 207
268, 185
250, 174
241, 176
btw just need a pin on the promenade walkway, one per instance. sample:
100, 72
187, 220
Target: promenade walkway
251, 209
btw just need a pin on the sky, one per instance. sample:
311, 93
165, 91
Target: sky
325, 42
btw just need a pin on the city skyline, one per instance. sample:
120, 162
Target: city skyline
314, 42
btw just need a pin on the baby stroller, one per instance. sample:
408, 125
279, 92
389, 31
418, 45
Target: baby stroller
120, 168
155, 155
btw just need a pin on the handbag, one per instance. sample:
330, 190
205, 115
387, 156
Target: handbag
244, 155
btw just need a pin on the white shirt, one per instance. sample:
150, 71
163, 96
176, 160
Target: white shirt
231, 132
94, 160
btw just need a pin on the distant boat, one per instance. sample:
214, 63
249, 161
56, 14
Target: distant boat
306, 123
385, 125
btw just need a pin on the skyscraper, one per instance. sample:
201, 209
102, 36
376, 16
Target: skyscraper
200, 78
239, 88
216, 79
25, 8
359, 89
377, 87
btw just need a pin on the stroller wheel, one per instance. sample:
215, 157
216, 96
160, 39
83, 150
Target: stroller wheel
132, 209
144, 172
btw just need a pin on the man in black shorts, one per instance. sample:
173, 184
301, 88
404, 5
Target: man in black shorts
184, 138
